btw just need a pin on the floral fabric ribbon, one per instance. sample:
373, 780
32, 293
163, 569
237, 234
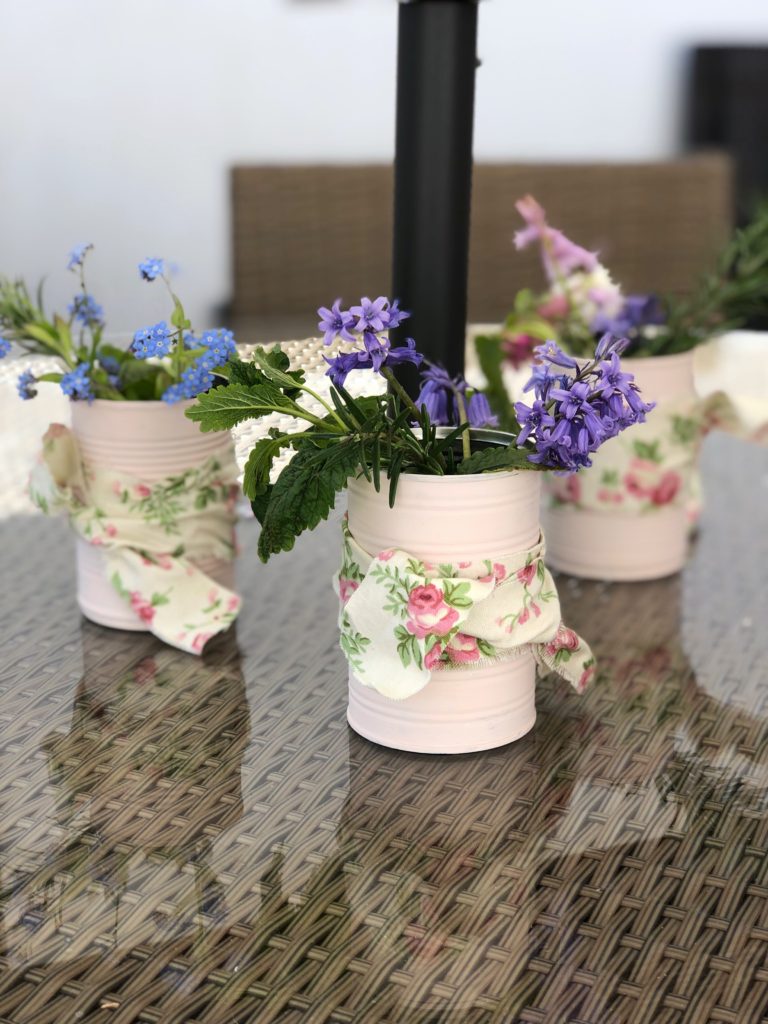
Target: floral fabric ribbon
401, 619
150, 535
653, 465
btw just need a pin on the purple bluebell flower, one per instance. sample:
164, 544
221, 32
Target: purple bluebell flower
152, 341
612, 380
436, 401
5, 347
550, 352
25, 385
574, 414
376, 348
395, 315
440, 396
335, 323
87, 310
532, 419
371, 316
77, 255
610, 343
437, 395
151, 268
76, 384
479, 411
637, 312
541, 381
340, 366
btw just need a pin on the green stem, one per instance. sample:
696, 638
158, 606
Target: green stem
466, 445
178, 354
399, 390
331, 411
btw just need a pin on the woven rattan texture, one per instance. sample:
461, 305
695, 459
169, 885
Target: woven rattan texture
205, 842
303, 235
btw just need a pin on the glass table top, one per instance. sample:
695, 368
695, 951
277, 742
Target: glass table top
204, 840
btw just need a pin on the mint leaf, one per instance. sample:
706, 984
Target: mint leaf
305, 493
259, 464
508, 457
222, 408
274, 366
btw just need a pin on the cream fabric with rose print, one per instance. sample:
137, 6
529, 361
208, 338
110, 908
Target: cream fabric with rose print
150, 535
653, 465
401, 619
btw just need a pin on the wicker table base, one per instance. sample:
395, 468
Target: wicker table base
206, 842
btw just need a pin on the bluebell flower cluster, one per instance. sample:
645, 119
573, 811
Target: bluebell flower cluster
440, 395
152, 341
574, 413
77, 255
5, 347
87, 310
638, 311
25, 385
76, 383
150, 269
368, 322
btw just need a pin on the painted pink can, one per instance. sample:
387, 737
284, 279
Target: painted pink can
453, 519
148, 440
615, 545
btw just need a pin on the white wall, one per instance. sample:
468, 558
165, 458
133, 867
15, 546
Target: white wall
121, 117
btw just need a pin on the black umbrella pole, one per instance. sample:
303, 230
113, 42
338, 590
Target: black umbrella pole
437, 58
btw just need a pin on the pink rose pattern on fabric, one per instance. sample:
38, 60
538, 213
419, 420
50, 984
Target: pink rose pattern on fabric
652, 467
150, 536
429, 614
425, 604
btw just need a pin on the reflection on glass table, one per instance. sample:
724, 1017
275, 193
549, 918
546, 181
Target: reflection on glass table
205, 841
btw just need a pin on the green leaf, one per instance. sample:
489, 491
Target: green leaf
260, 504
224, 407
647, 450
179, 317
305, 493
457, 595
491, 357
393, 472
113, 352
259, 464
496, 458
274, 365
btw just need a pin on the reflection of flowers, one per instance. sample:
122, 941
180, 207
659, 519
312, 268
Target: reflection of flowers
429, 614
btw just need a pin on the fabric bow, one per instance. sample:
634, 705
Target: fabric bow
151, 535
402, 618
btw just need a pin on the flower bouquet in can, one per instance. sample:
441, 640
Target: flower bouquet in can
150, 499
442, 581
